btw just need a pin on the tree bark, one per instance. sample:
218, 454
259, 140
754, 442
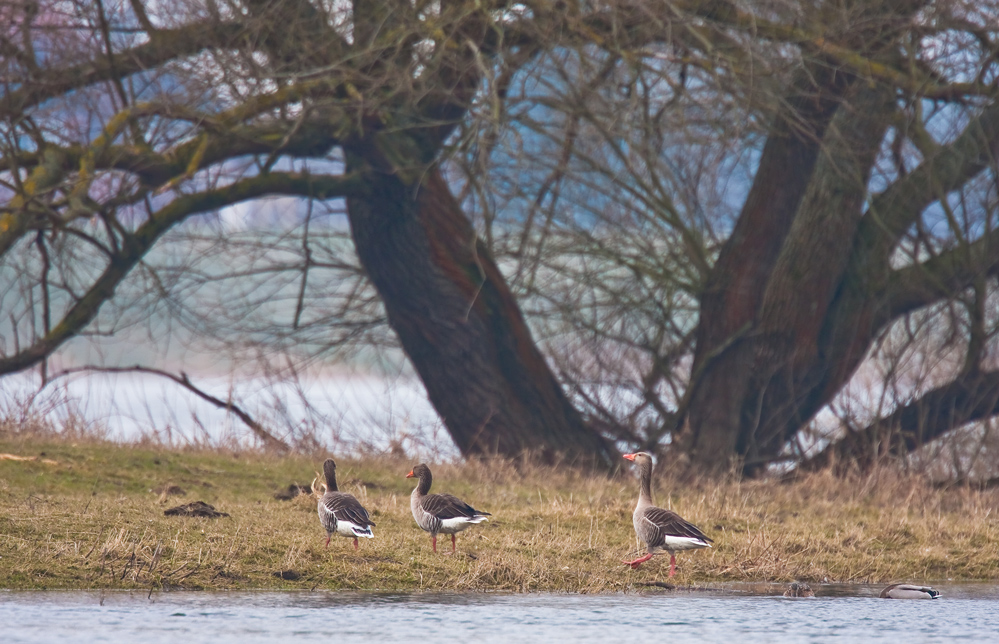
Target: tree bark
805, 282
458, 321
813, 306
724, 358
791, 364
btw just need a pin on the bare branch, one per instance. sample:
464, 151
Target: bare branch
971, 397
951, 272
137, 244
167, 45
270, 441
894, 210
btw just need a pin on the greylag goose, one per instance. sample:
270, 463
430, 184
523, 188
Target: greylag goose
661, 530
340, 512
908, 591
440, 513
799, 589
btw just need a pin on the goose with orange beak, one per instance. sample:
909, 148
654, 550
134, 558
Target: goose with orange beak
661, 530
440, 513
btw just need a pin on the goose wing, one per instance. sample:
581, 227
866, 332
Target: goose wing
346, 508
446, 506
658, 524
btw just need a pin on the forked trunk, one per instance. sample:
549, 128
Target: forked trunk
783, 325
725, 381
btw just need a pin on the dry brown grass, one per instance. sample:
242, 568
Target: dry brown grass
92, 520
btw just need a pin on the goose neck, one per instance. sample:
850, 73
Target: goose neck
330, 475
645, 488
423, 487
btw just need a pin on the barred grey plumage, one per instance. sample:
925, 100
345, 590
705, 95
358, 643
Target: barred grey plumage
661, 530
440, 513
341, 513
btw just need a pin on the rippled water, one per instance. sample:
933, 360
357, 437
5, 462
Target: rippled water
840, 613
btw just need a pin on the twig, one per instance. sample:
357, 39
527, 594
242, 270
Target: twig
174, 572
93, 492
96, 541
128, 564
270, 441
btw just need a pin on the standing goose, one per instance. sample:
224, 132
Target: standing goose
661, 530
440, 513
340, 512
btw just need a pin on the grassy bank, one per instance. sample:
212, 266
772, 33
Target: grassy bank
88, 515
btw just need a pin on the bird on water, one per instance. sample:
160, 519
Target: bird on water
341, 513
661, 530
909, 591
799, 589
440, 513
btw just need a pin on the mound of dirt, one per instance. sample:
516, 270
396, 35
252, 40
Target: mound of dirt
196, 509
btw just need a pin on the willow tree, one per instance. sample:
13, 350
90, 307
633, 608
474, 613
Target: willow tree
819, 263
124, 120
867, 210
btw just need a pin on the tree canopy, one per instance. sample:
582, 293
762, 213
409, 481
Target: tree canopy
712, 214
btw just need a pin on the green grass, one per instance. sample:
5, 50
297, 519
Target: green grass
89, 518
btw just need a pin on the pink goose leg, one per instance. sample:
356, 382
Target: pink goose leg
672, 564
355, 543
328, 537
638, 562
433, 540
454, 547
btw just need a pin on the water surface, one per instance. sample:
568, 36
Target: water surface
753, 613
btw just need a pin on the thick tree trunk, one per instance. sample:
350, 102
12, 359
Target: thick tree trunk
783, 329
725, 364
458, 321
776, 371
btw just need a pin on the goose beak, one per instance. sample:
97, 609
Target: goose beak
410, 475
630, 457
